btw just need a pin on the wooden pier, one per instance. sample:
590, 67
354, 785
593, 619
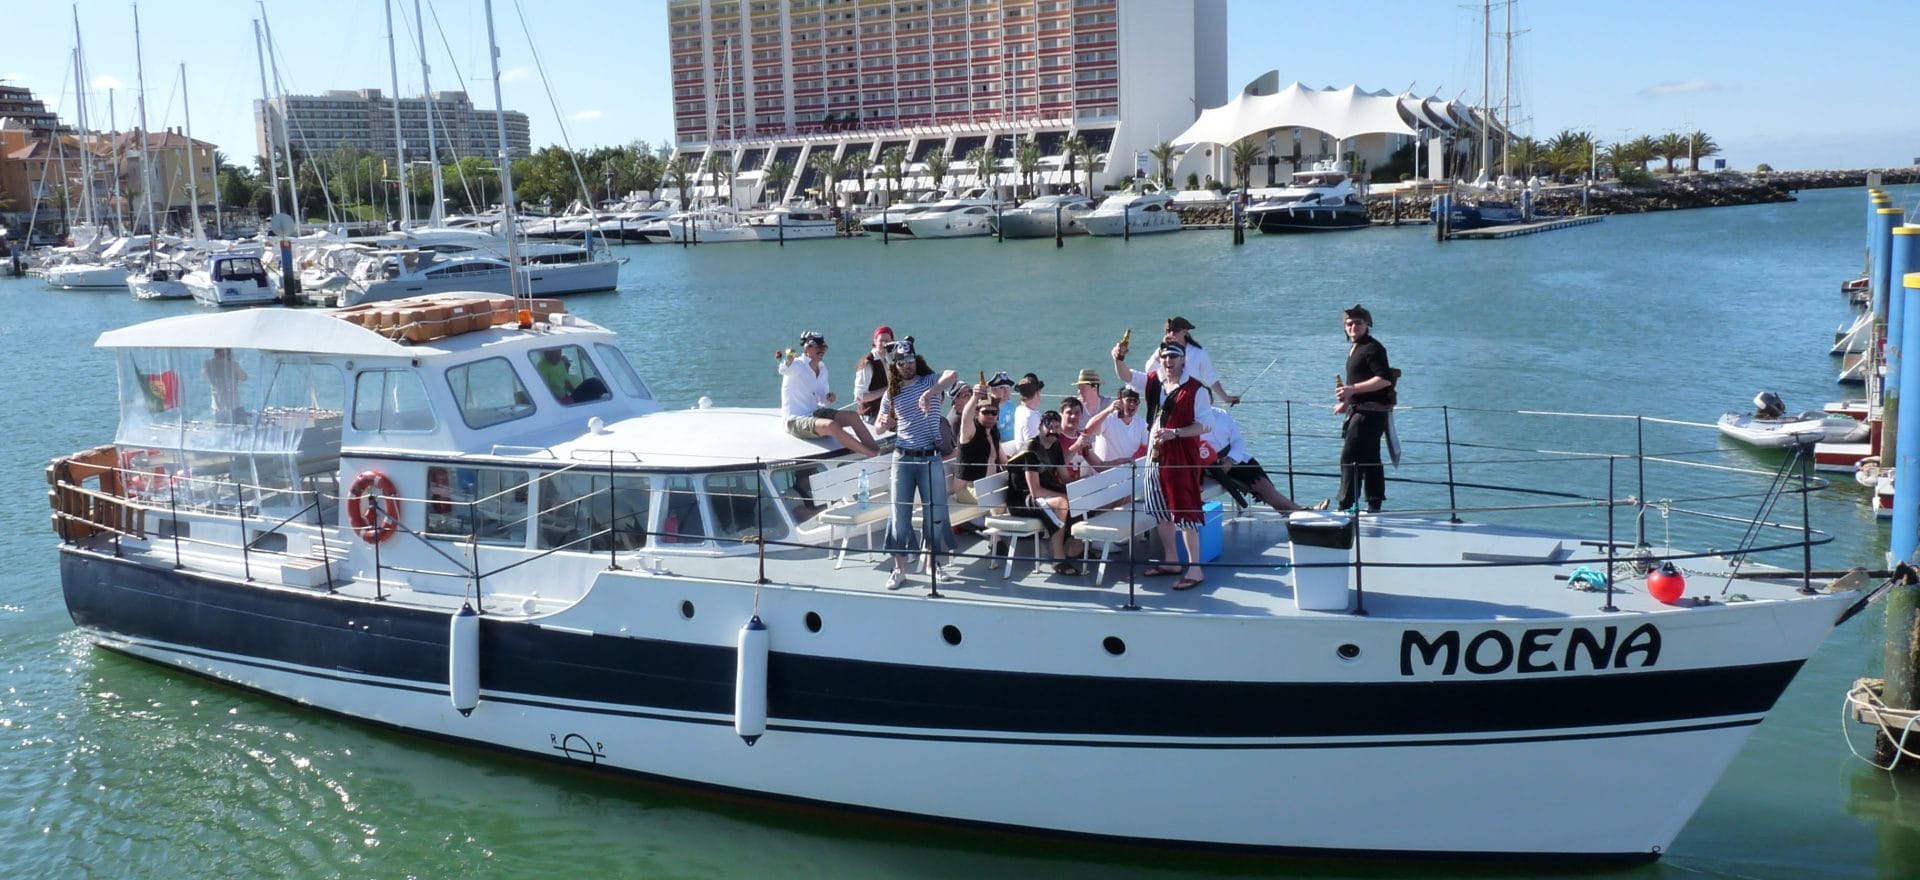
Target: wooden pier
1527, 228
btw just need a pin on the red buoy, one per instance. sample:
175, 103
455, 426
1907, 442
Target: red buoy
1666, 584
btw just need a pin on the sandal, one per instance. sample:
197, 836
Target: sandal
1188, 583
1066, 569
1164, 570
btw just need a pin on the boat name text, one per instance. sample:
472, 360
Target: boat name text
1548, 649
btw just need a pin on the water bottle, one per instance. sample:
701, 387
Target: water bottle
863, 489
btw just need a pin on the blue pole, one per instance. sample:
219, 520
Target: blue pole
1904, 260
1884, 221
1876, 200
1906, 493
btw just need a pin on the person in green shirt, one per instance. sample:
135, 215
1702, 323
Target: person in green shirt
554, 368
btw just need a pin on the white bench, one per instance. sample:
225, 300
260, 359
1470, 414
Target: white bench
1091, 497
838, 490
991, 494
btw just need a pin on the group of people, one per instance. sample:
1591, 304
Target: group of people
1164, 412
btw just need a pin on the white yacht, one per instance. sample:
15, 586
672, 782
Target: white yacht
1039, 217
1319, 199
451, 520
1134, 212
971, 221
160, 275
398, 274
232, 278
894, 220
795, 221
104, 270
711, 225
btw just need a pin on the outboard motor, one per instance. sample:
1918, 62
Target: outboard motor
1768, 405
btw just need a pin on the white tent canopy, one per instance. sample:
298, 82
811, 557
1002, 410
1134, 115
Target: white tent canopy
1340, 113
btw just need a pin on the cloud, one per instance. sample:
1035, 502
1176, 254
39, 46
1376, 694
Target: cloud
584, 115
515, 74
106, 81
1679, 88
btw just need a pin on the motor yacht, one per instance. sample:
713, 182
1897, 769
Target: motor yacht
1319, 199
1139, 211
1040, 217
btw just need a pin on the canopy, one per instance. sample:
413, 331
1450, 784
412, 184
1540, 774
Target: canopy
1341, 113
279, 330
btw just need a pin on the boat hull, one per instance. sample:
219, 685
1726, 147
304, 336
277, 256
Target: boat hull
1118, 226
1298, 751
1031, 224
543, 279
1310, 219
1783, 433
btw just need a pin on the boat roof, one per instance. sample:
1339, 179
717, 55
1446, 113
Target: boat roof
292, 331
710, 438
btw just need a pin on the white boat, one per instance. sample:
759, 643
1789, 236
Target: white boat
1771, 427
1038, 217
716, 225
969, 222
160, 276
106, 270
1134, 212
399, 274
798, 221
896, 220
232, 278
443, 537
1318, 199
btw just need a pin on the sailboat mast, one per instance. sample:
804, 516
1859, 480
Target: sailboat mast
286, 136
506, 164
193, 160
266, 116
399, 134
1506, 98
80, 97
114, 152
438, 215
1486, 87
146, 150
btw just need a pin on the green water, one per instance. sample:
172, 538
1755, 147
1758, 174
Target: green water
112, 768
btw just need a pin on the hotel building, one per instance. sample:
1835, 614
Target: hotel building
760, 82
363, 118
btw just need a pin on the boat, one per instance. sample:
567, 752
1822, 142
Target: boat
895, 220
408, 272
232, 278
1138, 211
401, 518
160, 276
712, 225
106, 270
796, 221
972, 221
1770, 426
1318, 199
1038, 217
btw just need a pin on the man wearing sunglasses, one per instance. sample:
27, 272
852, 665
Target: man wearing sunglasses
806, 399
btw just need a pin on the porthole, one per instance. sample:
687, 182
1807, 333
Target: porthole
951, 633
1114, 645
1348, 651
813, 621
686, 609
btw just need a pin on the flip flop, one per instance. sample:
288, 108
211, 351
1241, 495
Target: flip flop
1188, 583
1164, 570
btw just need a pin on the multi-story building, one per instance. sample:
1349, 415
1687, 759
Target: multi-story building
363, 118
766, 82
29, 112
173, 154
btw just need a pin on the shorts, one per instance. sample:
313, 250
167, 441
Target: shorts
1248, 472
804, 428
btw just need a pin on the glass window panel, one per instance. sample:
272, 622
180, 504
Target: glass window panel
578, 513
569, 374
489, 393
489, 504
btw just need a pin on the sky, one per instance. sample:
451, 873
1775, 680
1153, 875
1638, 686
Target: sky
1792, 85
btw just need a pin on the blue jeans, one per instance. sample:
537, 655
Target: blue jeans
926, 477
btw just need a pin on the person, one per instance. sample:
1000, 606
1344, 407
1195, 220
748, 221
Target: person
870, 375
1199, 365
1026, 418
1367, 400
911, 408
977, 456
225, 374
1238, 471
1174, 491
553, 368
1087, 386
1037, 488
1116, 435
806, 399
1073, 416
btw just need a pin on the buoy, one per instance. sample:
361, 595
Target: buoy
750, 682
463, 659
1666, 584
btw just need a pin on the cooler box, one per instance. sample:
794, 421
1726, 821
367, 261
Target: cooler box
1319, 538
1212, 514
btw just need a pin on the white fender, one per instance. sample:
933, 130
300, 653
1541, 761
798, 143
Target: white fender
750, 682
463, 659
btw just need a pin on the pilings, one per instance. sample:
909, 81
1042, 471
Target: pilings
1904, 259
1902, 656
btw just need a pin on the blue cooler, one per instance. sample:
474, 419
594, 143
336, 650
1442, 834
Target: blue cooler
1212, 514
1321, 538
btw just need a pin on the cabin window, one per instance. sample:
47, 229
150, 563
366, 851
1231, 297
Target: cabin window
682, 520
569, 375
485, 504
623, 372
489, 393
391, 400
794, 487
742, 508
579, 512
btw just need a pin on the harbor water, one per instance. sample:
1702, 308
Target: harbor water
114, 768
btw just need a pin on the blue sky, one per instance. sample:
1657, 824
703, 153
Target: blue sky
1795, 85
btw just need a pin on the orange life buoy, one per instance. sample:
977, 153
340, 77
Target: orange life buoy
373, 506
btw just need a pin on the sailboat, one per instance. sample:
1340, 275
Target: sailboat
1489, 205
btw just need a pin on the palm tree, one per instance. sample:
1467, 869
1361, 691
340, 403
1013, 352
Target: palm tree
893, 164
1525, 153
1163, 153
1700, 147
828, 169
720, 167
938, 163
985, 164
1671, 147
678, 170
778, 174
1243, 155
854, 167
1080, 156
648, 170
1644, 149
1570, 151
1026, 157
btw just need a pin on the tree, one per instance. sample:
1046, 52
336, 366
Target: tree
479, 182
719, 167
1644, 149
828, 169
1700, 147
893, 164
649, 169
677, 171
1671, 147
1525, 153
778, 175
985, 164
938, 163
1162, 153
1570, 151
1026, 157
1243, 154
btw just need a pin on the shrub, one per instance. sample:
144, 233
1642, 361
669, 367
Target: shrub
1763, 168
1636, 177
1193, 181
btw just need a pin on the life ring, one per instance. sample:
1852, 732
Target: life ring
369, 489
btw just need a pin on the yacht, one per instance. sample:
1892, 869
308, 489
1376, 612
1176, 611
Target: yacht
894, 220
467, 517
398, 274
714, 225
1134, 212
972, 221
160, 275
105, 270
795, 221
232, 278
1039, 217
1319, 199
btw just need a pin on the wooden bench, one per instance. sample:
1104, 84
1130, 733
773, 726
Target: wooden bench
838, 491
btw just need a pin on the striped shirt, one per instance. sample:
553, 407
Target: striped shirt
916, 429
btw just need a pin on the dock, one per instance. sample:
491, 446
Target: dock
1517, 229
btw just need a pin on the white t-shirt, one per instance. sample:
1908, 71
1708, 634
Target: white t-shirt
1026, 423
1199, 365
801, 390
1118, 440
1225, 438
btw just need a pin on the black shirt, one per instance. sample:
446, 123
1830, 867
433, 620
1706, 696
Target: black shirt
1046, 460
1367, 360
